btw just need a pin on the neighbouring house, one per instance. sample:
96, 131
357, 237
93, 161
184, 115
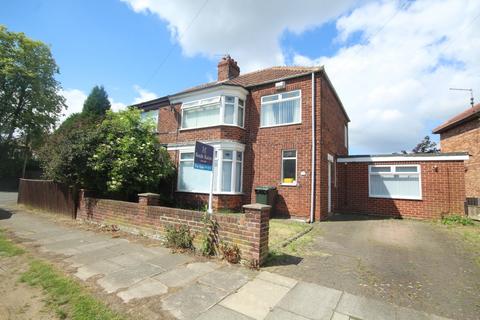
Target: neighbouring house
260, 124
286, 127
462, 133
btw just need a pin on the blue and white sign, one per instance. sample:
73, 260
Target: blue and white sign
203, 158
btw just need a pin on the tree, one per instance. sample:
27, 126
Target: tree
129, 156
97, 102
425, 146
64, 156
29, 93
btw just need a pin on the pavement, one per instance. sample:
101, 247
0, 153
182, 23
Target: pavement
186, 287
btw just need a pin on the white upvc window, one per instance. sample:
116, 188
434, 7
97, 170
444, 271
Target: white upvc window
395, 181
151, 114
281, 109
289, 167
220, 110
227, 173
346, 135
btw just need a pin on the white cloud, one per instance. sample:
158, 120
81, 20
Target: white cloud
249, 31
395, 84
74, 101
143, 94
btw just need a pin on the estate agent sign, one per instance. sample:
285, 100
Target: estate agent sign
203, 160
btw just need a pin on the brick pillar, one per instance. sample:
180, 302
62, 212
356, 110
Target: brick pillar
149, 199
257, 216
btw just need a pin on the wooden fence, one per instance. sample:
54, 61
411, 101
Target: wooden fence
47, 195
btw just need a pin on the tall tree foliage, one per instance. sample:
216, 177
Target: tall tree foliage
97, 102
425, 146
30, 103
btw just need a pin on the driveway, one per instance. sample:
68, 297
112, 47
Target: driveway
414, 264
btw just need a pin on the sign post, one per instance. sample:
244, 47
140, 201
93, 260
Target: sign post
203, 160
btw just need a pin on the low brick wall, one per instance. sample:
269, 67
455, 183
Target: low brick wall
248, 230
443, 191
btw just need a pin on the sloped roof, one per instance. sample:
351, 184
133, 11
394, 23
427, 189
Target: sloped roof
459, 119
256, 78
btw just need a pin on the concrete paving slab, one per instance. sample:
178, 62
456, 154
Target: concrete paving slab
364, 308
170, 261
340, 316
191, 301
146, 288
83, 258
131, 259
226, 280
280, 314
311, 301
185, 274
277, 279
221, 313
256, 298
95, 245
65, 244
101, 267
59, 237
158, 250
128, 276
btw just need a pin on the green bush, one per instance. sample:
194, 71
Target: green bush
178, 237
230, 252
209, 237
456, 219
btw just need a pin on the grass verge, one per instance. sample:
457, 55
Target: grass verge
65, 296
282, 230
7, 248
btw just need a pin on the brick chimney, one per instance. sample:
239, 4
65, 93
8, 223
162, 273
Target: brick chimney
227, 68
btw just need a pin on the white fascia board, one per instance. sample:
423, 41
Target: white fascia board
218, 145
404, 159
224, 90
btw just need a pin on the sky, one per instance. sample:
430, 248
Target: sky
391, 62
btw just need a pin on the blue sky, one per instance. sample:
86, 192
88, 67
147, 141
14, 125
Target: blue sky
391, 72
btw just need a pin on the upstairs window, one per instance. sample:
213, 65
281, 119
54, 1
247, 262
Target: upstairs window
395, 182
221, 110
281, 109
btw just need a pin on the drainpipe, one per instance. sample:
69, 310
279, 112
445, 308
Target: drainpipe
312, 195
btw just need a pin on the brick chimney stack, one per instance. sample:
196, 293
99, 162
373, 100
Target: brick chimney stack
227, 68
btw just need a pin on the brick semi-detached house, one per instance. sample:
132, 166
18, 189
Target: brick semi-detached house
462, 133
286, 127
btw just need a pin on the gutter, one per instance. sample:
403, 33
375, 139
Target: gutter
312, 188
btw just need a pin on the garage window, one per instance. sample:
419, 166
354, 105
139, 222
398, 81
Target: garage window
395, 181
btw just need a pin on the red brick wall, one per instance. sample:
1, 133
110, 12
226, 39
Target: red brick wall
443, 191
232, 202
248, 230
466, 138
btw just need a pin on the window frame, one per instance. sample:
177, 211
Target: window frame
296, 167
281, 100
345, 136
218, 156
393, 171
155, 117
221, 117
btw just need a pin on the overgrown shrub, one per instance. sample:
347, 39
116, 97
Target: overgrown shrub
456, 219
178, 237
209, 237
230, 252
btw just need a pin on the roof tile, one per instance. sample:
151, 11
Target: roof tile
459, 118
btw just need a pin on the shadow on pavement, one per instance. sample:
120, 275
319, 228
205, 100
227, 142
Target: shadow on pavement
276, 259
5, 214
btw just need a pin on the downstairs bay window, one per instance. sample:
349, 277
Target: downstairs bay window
227, 173
395, 181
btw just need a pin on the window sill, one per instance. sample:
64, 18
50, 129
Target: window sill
281, 125
212, 126
215, 193
396, 198
289, 184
